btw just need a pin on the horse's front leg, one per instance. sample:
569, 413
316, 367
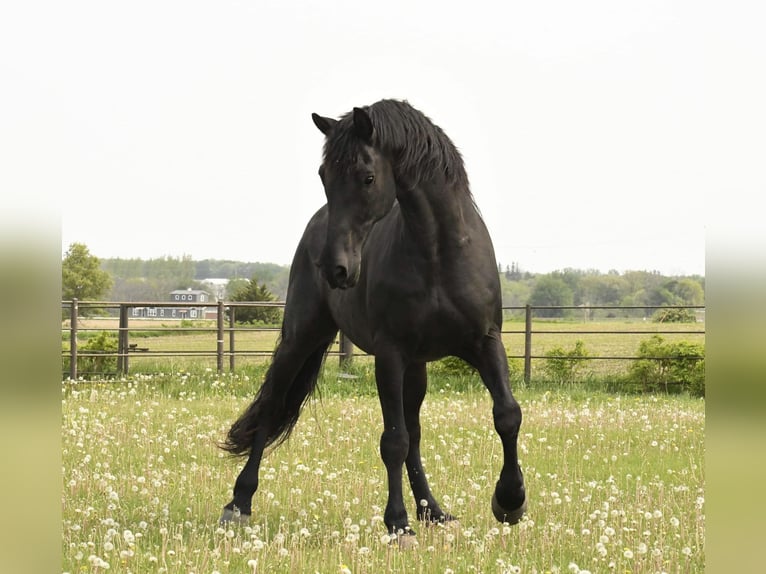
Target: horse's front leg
509, 502
394, 441
415, 384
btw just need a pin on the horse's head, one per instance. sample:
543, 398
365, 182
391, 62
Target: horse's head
359, 184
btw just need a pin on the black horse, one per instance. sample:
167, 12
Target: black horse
400, 261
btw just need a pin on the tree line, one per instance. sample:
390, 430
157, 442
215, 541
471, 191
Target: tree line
138, 279
114, 279
576, 287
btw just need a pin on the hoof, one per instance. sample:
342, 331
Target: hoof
509, 516
233, 517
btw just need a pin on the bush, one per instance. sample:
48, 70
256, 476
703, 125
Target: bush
680, 364
104, 342
562, 366
674, 316
453, 367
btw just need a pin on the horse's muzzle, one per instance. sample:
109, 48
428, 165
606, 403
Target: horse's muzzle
338, 276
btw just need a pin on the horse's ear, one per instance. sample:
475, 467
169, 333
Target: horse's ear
362, 125
325, 125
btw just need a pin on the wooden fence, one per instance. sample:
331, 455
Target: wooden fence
225, 312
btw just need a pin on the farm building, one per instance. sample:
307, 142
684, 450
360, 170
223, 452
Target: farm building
189, 295
194, 311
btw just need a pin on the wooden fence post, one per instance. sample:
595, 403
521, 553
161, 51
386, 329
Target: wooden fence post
73, 340
528, 344
231, 338
219, 345
346, 351
122, 341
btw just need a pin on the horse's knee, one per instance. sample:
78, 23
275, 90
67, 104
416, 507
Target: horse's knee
394, 445
507, 418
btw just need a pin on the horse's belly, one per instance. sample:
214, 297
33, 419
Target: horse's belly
421, 333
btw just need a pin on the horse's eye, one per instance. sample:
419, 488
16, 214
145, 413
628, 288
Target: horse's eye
369, 179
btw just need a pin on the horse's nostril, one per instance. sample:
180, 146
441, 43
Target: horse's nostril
340, 273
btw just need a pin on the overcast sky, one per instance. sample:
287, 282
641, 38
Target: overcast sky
172, 128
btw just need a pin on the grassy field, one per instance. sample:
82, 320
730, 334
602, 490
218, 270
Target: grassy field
615, 483
544, 339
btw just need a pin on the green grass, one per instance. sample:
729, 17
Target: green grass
615, 483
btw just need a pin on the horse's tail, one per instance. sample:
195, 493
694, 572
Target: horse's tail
275, 408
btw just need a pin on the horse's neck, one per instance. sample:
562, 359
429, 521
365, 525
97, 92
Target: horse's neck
439, 218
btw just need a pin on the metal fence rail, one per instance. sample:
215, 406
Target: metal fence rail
77, 310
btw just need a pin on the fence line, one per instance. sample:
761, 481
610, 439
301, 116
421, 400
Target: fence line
346, 352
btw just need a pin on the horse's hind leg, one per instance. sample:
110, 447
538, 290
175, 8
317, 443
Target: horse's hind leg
415, 383
307, 331
509, 499
289, 380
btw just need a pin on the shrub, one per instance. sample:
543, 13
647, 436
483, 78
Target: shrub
453, 367
681, 364
103, 343
674, 316
562, 366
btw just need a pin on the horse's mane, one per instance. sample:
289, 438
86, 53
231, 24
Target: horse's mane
419, 149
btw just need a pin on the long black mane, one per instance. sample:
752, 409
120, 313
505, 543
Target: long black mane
419, 149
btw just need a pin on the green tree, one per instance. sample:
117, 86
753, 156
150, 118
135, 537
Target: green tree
81, 275
603, 289
689, 291
252, 291
515, 294
572, 278
550, 291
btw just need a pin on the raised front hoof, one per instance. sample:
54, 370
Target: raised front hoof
231, 517
508, 516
